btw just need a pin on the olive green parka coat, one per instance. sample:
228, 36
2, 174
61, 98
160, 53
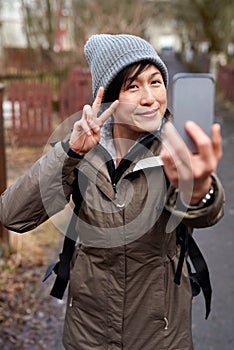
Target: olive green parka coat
122, 293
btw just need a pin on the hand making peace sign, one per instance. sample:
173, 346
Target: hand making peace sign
86, 131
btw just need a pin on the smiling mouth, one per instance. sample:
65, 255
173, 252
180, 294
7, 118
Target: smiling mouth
148, 114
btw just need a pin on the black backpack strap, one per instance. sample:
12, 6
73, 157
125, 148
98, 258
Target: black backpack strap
202, 275
62, 267
201, 278
181, 239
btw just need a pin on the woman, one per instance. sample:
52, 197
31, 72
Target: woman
122, 293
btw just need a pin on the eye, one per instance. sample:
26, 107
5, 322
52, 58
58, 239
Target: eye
156, 82
131, 87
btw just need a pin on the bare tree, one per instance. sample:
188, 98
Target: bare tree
85, 17
215, 18
108, 16
202, 20
209, 20
39, 23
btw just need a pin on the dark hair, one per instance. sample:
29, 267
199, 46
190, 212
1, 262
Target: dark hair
121, 79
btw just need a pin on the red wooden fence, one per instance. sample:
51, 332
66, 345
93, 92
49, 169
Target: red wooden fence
225, 80
75, 92
31, 112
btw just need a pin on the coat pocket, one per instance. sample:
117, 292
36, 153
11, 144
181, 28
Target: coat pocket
78, 274
88, 280
158, 286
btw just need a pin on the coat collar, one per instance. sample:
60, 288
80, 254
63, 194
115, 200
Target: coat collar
150, 162
106, 138
142, 155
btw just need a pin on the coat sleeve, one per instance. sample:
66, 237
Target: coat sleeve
202, 217
40, 193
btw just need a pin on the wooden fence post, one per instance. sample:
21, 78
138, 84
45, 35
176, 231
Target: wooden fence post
4, 236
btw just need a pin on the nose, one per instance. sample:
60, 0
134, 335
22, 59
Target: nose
147, 97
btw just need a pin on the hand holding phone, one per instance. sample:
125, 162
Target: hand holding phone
193, 99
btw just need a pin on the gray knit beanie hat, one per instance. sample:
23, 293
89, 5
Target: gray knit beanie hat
108, 54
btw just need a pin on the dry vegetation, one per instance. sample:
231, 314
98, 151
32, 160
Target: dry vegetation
29, 317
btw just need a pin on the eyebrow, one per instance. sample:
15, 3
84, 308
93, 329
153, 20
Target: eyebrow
156, 73
131, 78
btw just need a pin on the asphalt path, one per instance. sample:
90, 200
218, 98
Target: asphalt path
216, 243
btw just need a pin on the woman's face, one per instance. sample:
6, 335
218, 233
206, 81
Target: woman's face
143, 103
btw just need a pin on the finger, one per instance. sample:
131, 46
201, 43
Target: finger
98, 101
174, 143
87, 113
171, 166
94, 127
165, 155
217, 141
90, 121
108, 112
176, 156
200, 138
84, 127
205, 147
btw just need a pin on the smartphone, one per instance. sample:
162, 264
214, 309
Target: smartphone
193, 97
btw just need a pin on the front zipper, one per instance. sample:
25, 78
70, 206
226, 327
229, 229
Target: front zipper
116, 173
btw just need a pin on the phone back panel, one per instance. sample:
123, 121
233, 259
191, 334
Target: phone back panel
193, 99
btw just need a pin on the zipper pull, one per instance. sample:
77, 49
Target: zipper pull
118, 205
166, 323
70, 303
115, 190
